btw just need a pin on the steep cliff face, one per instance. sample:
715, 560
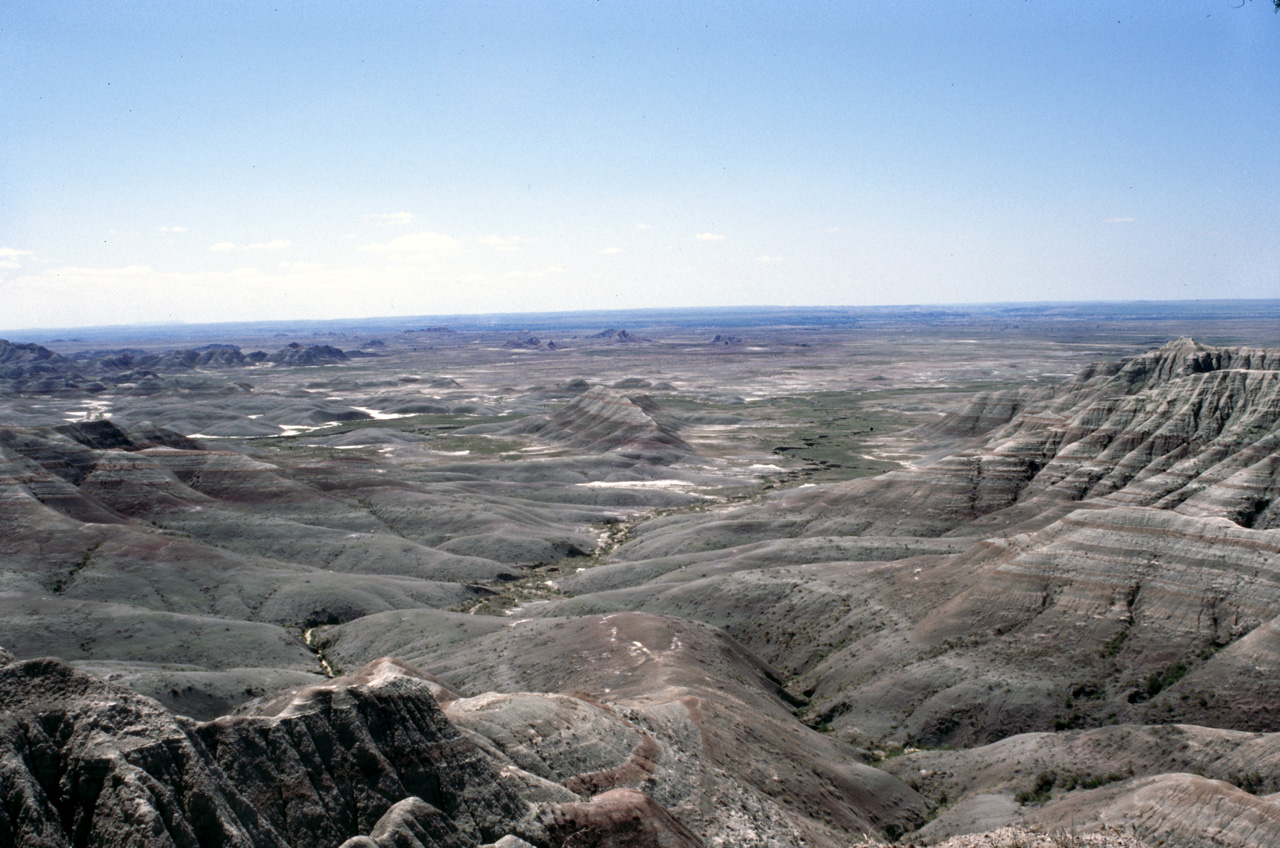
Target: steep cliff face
1184, 427
1116, 542
363, 761
87, 763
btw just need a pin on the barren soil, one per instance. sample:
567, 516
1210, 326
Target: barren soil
729, 579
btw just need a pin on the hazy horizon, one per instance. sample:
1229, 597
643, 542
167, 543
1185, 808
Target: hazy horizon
245, 163
690, 316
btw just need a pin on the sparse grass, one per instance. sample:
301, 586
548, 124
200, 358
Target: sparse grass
1040, 790
1115, 643
1075, 781
60, 585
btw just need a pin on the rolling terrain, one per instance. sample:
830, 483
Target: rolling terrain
872, 577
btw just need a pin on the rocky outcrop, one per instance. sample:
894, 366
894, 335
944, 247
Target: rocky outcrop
298, 354
602, 419
85, 763
25, 361
1186, 427
617, 336
33, 369
1118, 538
681, 713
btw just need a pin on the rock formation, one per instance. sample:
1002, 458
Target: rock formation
620, 336
299, 354
1063, 616
602, 419
86, 763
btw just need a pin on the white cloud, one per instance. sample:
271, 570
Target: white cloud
504, 244
173, 229
414, 243
302, 266
644, 226
1117, 220
12, 253
277, 244
400, 218
767, 259
611, 250
709, 237
832, 230
78, 273
532, 275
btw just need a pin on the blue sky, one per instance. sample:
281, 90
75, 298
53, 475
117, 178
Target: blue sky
168, 161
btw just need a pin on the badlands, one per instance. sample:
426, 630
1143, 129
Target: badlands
1000, 576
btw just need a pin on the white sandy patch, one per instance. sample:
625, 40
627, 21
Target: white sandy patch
381, 416
92, 409
638, 484
295, 429
765, 467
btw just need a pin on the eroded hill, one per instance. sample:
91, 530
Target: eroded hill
689, 617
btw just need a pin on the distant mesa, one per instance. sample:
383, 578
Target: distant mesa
429, 330
299, 354
374, 343
27, 361
721, 339
33, 369
612, 335
523, 343
529, 343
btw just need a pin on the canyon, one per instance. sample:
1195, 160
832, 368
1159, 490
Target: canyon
852, 577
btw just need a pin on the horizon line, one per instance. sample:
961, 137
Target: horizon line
472, 317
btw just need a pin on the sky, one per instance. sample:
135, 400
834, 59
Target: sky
230, 161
